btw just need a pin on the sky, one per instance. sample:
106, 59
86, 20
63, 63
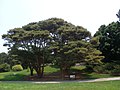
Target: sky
90, 14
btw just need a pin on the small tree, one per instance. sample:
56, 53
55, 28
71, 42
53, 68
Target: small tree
118, 14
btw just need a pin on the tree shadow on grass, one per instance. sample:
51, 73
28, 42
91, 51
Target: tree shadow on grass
51, 76
13, 77
56, 76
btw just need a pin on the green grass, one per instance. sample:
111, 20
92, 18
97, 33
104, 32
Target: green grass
110, 85
49, 69
15, 76
78, 67
97, 75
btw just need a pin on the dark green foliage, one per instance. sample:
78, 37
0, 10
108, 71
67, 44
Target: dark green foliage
17, 68
109, 38
4, 67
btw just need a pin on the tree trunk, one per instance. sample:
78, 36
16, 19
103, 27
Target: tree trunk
38, 70
62, 73
40, 66
42, 72
31, 71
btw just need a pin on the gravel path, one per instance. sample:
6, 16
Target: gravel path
92, 80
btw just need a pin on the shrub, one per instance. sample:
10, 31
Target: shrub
109, 68
17, 68
116, 70
4, 67
98, 69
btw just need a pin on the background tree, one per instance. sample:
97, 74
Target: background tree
109, 38
4, 62
3, 58
118, 14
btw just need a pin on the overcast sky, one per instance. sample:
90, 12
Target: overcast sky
87, 13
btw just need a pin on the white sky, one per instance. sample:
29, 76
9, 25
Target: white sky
87, 13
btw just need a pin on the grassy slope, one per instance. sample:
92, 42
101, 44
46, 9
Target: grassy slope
110, 85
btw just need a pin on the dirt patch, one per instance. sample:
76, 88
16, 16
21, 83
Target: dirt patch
56, 76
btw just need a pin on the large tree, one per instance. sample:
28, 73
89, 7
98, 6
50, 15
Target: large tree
54, 37
109, 38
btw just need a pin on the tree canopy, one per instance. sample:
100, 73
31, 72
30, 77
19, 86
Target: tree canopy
53, 40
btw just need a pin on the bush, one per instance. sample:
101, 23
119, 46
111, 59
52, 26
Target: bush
17, 68
4, 67
105, 68
98, 69
108, 68
116, 70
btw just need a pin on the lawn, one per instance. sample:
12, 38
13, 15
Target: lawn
109, 85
